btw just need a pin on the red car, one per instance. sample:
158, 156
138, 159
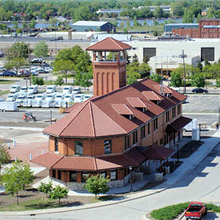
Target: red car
196, 210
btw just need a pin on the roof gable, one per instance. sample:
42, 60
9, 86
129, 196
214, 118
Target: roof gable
109, 44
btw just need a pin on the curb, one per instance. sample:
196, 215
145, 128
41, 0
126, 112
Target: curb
101, 204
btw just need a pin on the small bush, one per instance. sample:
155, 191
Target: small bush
212, 207
169, 212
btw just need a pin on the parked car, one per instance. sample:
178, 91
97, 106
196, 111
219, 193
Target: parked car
11, 97
76, 90
28, 101
49, 100
41, 70
67, 89
24, 73
37, 102
59, 100
15, 88
79, 98
20, 99
8, 73
195, 210
32, 90
38, 60
200, 90
51, 89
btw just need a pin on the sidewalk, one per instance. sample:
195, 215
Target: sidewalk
188, 164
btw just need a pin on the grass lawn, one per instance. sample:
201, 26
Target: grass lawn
188, 149
2, 81
4, 92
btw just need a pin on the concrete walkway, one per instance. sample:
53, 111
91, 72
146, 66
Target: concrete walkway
188, 164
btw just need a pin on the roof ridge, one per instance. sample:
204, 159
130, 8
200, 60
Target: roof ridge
57, 161
109, 117
92, 119
115, 41
82, 107
95, 163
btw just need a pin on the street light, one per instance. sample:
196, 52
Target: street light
130, 168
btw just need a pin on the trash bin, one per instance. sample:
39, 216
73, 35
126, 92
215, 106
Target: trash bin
158, 177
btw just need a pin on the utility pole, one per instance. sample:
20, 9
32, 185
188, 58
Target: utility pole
184, 72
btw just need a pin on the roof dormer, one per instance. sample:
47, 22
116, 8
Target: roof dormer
123, 110
137, 103
164, 90
153, 97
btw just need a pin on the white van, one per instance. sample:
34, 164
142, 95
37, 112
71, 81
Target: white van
87, 96
59, 100
76, 90
51, 89
68, 100
37, 102
20, 99
11, 97
28, 101
15, 88
49, 100
79, 98
23, 90
67, 89
32, 90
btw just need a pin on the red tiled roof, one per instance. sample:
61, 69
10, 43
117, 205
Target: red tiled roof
101, 116
135, 155
48, 159
178, 124
122, 109
164, 89
109, 44
152, 96
136, 102
157, 152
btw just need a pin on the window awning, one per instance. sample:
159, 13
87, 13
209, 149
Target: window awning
178, 124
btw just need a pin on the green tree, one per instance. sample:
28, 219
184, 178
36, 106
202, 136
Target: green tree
158, 13
59, 81
135, 59
15, 24
199, 66
144, 70
16, 177
53, 22
198, 80
32, 24
188, 16
45, 188
97, 184
37, 80
16, 63
41, 49
83, 79
156, 77
176, 79
4, 157
65, 67
18, 50
58, 193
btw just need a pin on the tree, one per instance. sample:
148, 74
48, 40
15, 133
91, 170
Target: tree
4, 156
18, 50
135, 59
32, 24
16, 63
16, 177
64, 66
58, 193
156, 77
199, 66
144, 70
146, 59
198, 80
59, 81
176, 79
37, 80
97, 184
45, 188
41, 49
188, 16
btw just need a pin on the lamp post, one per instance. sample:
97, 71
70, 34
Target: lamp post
130, 168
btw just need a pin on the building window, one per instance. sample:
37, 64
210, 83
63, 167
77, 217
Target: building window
155, 124
113, 175
179, 109
102, 174
174, 112
84, 177
54, 173
56, 144
59, 174
128, 141
143, 132
107, 146
73, 176
135, 138
148, 128
78, 148
167, 116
